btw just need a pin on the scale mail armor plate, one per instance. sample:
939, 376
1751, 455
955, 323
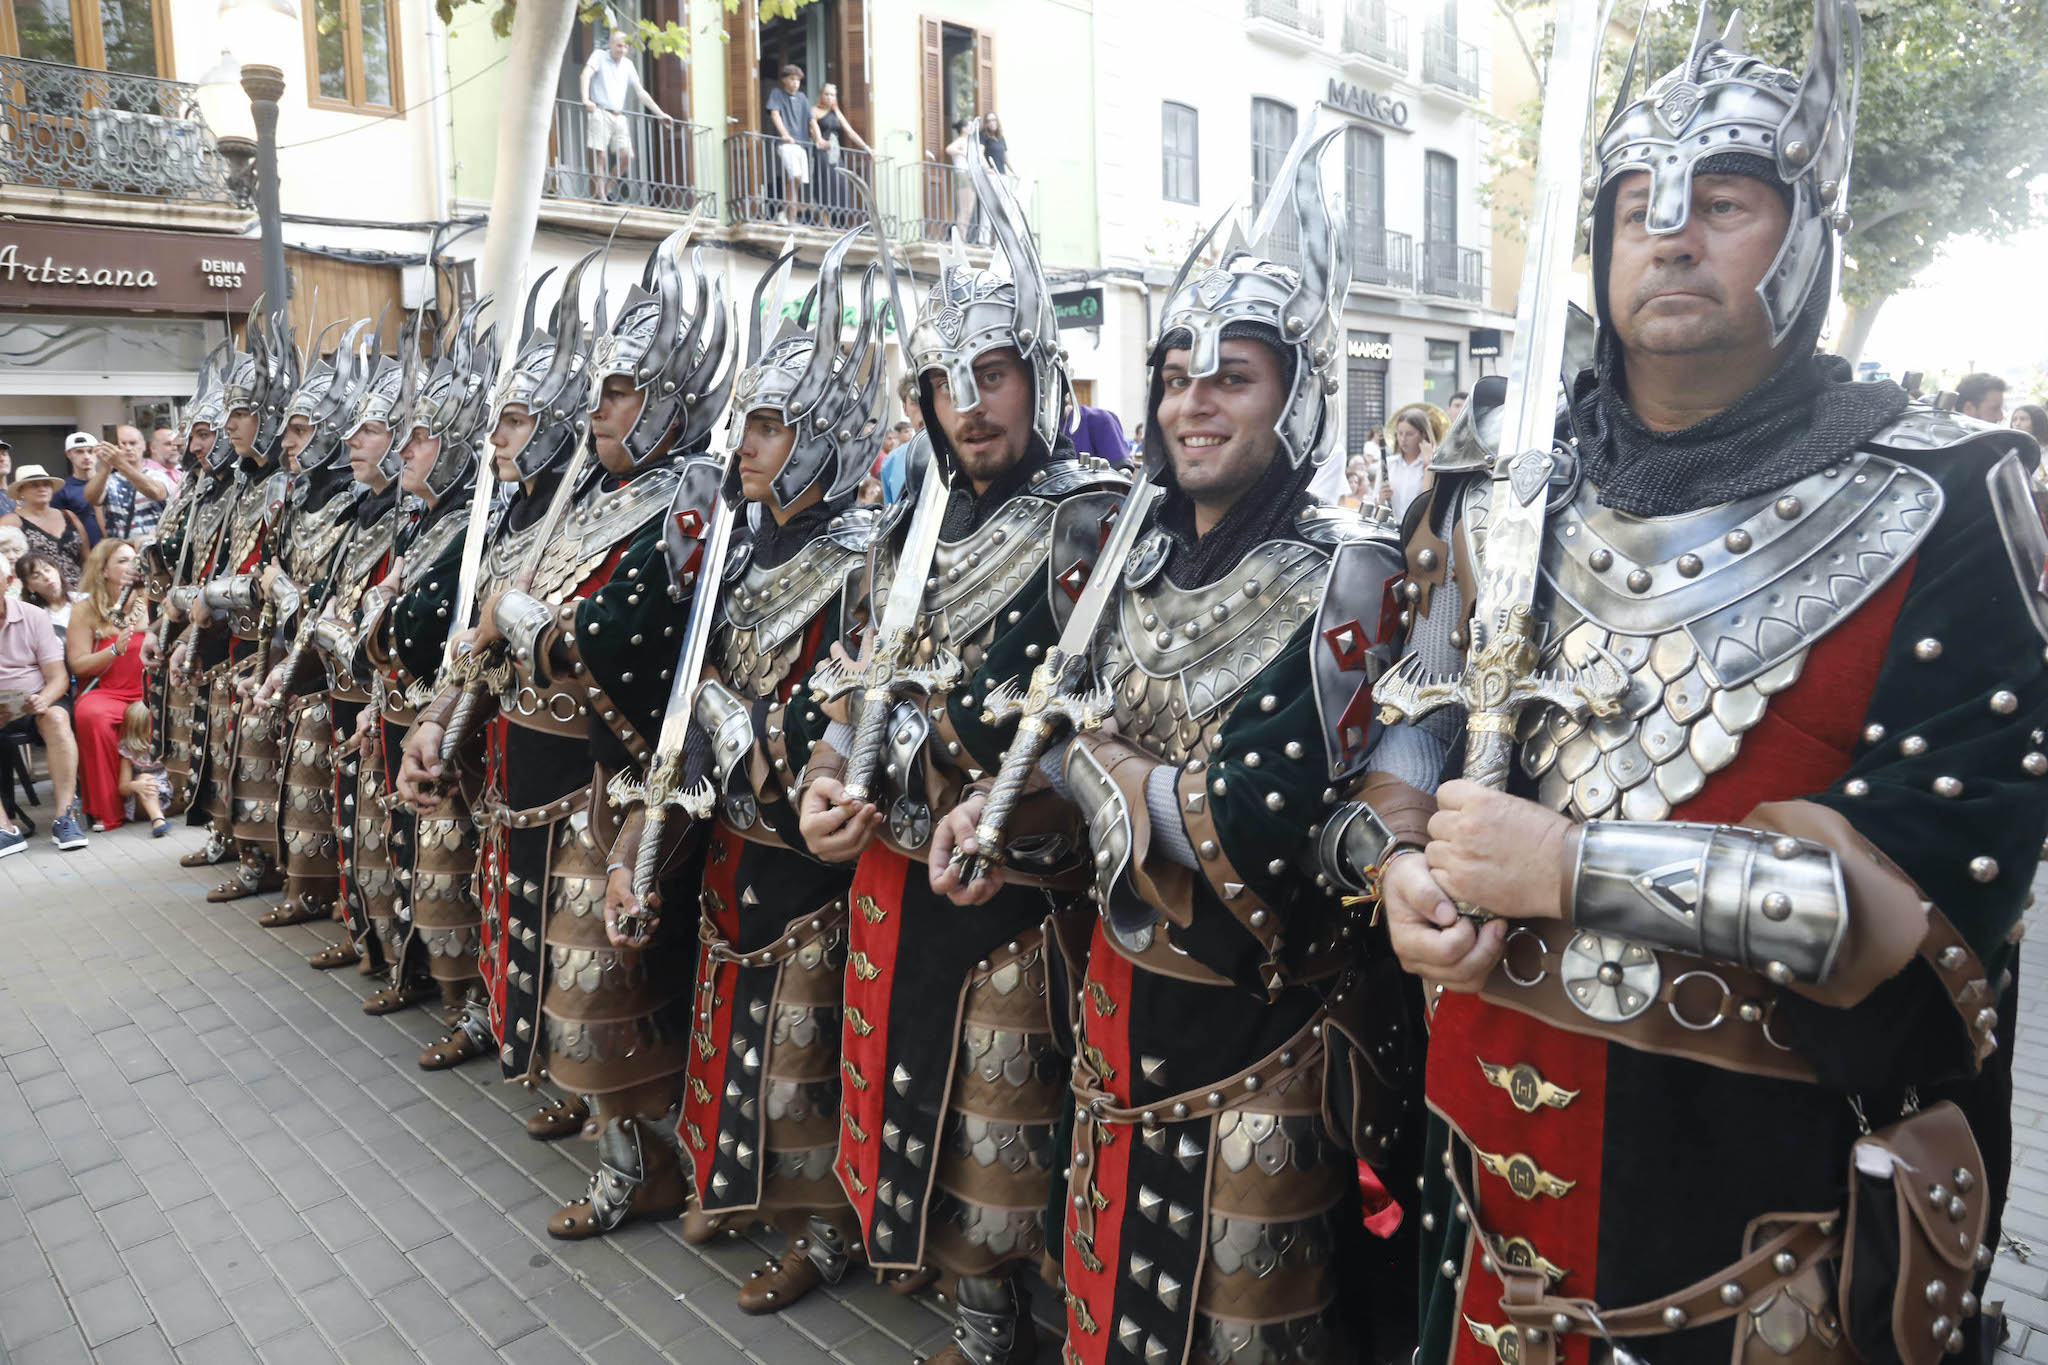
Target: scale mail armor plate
972, 578
767, 610
601, 521
1712, 613
317, 534
1180, 656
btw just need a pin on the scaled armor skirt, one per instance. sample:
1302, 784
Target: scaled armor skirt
221, 732
1206, 1197
258, 766
311, 850
178, 727
400, 828
372, 882
348, 773
953, 1084
444, 913
760, 1119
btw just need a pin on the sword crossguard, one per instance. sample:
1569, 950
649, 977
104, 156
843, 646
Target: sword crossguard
1503, 677
1055, 694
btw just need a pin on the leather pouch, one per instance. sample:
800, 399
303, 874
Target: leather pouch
1372, 1072
1917, 1214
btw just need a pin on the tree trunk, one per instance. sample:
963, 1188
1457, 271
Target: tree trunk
540, 33
1857, 321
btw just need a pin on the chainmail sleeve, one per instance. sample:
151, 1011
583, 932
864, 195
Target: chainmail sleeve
1414, 753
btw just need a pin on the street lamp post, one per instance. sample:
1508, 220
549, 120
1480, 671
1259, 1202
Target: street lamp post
265, 86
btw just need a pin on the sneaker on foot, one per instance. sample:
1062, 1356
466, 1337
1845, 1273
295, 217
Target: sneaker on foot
11, 842
159, 829
65, 833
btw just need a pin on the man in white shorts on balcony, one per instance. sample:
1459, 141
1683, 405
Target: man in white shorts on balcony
610, 78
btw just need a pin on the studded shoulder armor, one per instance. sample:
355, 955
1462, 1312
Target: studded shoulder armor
600, 520
1179, 658
1358, 629
317, 533
767, 611
1712, 613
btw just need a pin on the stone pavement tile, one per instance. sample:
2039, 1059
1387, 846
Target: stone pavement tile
264, 1310
86, 1152
108, 1311
655, 1312
300, 1347
340, 1310
187, 1317
419, 1311
21, 1260
270, 1221
222, 1347
111, 1184
577, 1314
448, 1264
460, 1347
44, 1184
232, 1263
402, 1220
164, 1267
203, 1222
25, 1153
59, 1348
174, 1184
376, 1265
88, 1261
723, 1312
824, 1319
64, 1220
144, 1346
32, 1311
340, 1223
381, 1347
544, 1348
785, 1353
497, 1313
629, 1348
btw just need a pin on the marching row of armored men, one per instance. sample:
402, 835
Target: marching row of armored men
1033, 829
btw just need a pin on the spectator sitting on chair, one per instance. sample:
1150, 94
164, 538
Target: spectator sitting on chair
42, 584
609, 78
51, 530
32, 662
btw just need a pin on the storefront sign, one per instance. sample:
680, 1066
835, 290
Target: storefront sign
61, 265
1384, 110
1484, 343
1369, 348
1078, 308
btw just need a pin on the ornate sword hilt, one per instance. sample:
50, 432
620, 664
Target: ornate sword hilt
891, 671
662, 790
1052, 700
477, 674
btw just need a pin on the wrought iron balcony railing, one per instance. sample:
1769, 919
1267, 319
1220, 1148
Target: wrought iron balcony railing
1449, 62
73, 128
768, 180
1304, 16
1452, 271
1381, 257
670, 166
1372, 30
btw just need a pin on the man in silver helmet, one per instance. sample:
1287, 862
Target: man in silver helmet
404, 639
317, 518
1699, 975
568, 696
232, 621
1219, 1120
759, 1127
954, 1078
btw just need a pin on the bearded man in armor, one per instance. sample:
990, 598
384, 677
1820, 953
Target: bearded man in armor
563, 652
953, 1076
404, 636
1699, 975
1218, 1106
760, 1118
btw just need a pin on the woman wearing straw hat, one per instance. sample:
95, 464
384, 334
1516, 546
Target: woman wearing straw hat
50, 530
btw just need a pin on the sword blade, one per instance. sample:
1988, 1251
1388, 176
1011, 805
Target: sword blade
905, 602
689, 669
473, 538
1109, 566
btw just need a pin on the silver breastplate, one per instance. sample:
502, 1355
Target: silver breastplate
423, 553
366, 547
316, 535
768, 610
599, 521
505, 554
245, 524
1713, 613
206, 524
972, 578
1179, 658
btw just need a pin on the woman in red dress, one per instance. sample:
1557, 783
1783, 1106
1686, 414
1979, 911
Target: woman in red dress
103, 647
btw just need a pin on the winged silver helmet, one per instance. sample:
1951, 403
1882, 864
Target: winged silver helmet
325, 396
264, 377
1721, 100
826, 390
1249, 290
382, 398
549, 375
453, 402
209, 405
677, 354
970, 312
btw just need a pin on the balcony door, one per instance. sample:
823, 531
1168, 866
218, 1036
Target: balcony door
132, 37
1440, 217
1365, 180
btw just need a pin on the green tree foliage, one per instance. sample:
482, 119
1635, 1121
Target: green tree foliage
1951, 128
663, 40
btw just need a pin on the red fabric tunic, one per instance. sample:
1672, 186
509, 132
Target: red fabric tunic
96, 718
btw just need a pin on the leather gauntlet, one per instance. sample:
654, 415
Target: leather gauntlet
524, 621
1770, 902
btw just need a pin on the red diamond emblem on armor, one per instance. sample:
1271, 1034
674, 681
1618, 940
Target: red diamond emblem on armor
1106, 525
1074, 579
1390, 610
690, 522
1347, 644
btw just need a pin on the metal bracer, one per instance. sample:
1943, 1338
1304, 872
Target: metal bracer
1354, 842
1770, 902
523, 620
235, 592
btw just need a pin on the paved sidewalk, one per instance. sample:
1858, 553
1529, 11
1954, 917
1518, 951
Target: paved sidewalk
209, 1154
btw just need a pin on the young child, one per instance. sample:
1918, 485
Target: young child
143, 776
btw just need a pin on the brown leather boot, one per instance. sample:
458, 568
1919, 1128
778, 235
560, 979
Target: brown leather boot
638, 1176
295, 910
994, 1327
817, 1255
253, 877
469, 1035
392, 999
217, 849
563, 1118
908, 1282
342, 954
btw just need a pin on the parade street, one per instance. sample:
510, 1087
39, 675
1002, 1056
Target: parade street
210, 1154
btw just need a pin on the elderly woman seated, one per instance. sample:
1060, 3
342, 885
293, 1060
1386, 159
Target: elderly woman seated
33, 679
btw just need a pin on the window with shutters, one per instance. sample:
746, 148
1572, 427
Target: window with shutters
352, 55
1179, 164
129, 36
1273, 125
957, 69
1365, 194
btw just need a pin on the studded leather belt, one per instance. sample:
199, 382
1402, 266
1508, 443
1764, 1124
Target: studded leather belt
788, 946
493, 813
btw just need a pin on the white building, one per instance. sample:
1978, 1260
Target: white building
1197, 106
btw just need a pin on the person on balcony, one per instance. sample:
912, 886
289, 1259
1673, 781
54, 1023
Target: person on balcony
609, 79
834, 133
791, 121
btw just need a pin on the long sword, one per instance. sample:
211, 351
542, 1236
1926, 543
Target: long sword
1061, 694
1502, 668
890, 665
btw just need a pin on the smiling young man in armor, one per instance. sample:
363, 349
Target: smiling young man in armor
1700, 974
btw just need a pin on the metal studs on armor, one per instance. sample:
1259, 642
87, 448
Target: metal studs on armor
1690, 565
1737, 541
1638, 580
1950, 787
1674, 1317
1912, 746
1731, 1293
1788, 508
1983, 869
1927, 650
1601, 560
1856, 786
